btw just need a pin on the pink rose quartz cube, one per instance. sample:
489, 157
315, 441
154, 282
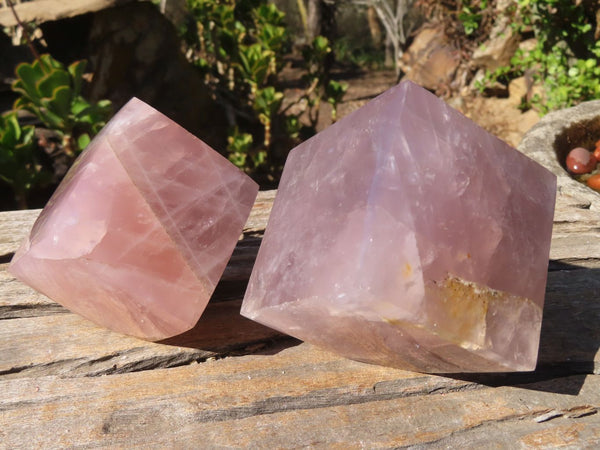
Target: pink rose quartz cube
406, 235
140, 230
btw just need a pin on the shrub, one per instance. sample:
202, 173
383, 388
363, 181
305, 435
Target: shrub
53, 93
565, 58
239, 45
20, 158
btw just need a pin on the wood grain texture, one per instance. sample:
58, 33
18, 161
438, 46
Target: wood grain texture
300, 396
576, 232
232, 383
73, 346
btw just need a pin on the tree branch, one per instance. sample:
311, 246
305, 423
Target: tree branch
25, 32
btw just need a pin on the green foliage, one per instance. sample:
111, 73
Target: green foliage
20, 165
364, 56
53, 93
317, 77
240, 147
559, 20
565, 58
239, 45
334, 92
471, 15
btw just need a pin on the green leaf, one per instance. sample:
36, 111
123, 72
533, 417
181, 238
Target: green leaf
20, 103
334, 91
86, 115
244, 64
238, 159
259, 158
83, 140
28, 77
239, 142
105, 105
321, 44
61, 101
78, 105
12, 130
51, 81
28, 134
51, 120
76, 70
48, 63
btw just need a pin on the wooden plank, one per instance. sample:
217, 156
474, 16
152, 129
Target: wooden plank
570, 333
570, 336
69, 345
275, 393
14, 226
300, 396
576, 232
73, 346
18, 300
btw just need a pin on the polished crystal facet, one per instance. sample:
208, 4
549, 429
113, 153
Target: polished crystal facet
406, 235
140, 230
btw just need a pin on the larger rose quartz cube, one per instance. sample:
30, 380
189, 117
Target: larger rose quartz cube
140, 230
405, 235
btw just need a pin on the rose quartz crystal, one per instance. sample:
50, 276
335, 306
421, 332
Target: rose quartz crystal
140, 230
405, 235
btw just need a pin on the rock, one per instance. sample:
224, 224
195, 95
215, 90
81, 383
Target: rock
139, 232
528, 45
551, 139
430, 61
49, 10
504, 117
580, 160
497, 51
501, 117
406, 235
518, 90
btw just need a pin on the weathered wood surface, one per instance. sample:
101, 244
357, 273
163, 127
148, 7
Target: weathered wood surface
232, 383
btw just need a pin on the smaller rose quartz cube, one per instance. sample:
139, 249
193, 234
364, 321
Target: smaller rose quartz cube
139, 232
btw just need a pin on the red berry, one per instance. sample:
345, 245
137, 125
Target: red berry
580, 160
597, 152
594, 182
